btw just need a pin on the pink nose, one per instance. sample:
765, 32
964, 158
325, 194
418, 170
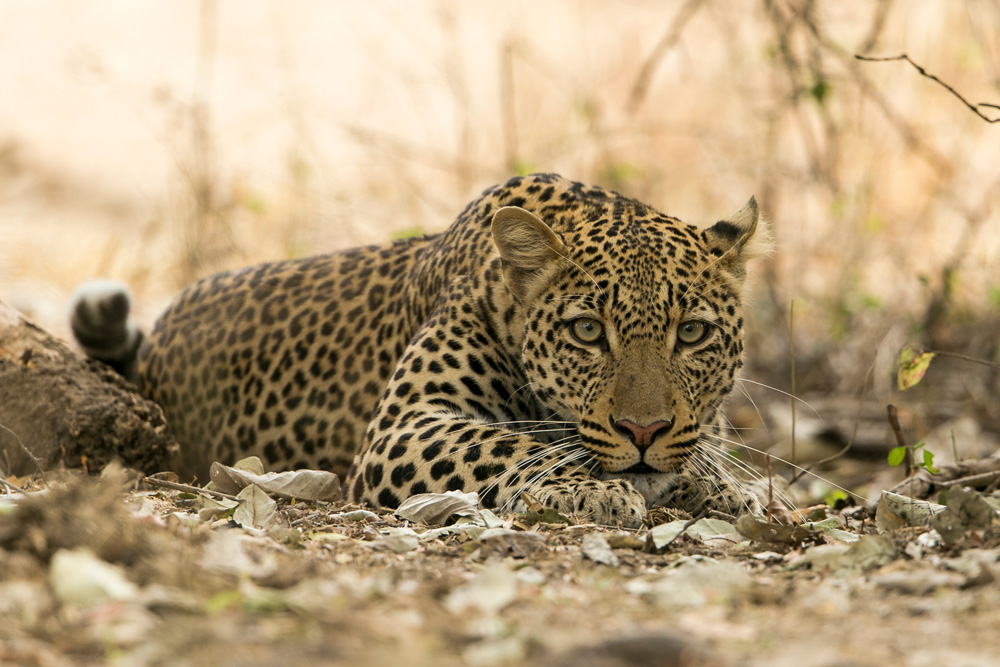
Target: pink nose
642, 436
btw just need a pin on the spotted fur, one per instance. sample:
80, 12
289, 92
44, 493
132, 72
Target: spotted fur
557, 340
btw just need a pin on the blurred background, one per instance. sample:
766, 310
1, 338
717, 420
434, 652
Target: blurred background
156, 142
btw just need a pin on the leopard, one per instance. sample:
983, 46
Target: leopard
559, 345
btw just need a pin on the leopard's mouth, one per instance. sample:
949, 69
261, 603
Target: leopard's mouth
640, 468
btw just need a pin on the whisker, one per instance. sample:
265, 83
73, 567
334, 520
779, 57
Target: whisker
794, 466
784, 393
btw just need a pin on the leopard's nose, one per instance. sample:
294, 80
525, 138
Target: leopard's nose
642, 436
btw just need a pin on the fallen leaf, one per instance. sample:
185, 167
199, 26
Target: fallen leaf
299, 484
438, 508
966, 510
257, 509
893, 507
833, 528
775, 533
706, 530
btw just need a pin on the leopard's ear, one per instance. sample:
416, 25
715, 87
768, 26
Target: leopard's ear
528, 249
741, 237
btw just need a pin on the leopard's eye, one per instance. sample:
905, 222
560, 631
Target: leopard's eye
587, 330
692, 332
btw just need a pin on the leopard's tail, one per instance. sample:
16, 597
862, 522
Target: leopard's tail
99, 319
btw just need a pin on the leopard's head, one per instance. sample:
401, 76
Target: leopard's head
633, 324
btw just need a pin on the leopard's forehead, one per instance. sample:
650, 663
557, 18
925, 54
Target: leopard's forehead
623, 253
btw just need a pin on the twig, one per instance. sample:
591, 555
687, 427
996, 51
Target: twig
972, 479
8, 487
963, 357
667, 42
972, 107
152, 481
890, 410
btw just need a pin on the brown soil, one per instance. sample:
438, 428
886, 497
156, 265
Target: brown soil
337, 590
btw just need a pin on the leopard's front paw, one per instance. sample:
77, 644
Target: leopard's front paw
611, 502
699, 494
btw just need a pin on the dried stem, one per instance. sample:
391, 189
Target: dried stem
641, 86
152, 481
890, 410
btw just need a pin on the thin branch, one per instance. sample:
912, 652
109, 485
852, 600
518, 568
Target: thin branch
972, 479
667, 42
893, 416
8, 487
152, 481
963, 357
972, 107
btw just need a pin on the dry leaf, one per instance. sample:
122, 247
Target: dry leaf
299, 484
438, 508
257, 509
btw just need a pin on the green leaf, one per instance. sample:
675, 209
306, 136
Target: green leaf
912, 367
834, 497
929, 462
897, 455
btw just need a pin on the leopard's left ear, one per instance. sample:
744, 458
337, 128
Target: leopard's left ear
741, 237
528, 247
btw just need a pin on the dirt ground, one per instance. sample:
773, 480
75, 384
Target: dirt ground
107, 572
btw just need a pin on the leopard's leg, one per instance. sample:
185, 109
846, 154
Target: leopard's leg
419, 452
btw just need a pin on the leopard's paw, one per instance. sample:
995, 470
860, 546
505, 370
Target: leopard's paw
699, 494
606, 502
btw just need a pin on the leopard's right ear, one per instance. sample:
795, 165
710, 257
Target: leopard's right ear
528, 249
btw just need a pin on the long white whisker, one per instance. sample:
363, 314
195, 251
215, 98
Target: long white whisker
784, 393
796, 467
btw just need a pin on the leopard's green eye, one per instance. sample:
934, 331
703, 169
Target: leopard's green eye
587, 330
692, 332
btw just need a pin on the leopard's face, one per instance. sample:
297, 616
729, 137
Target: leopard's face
637, 338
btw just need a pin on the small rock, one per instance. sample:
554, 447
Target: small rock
503, 543
81, 578
597, 549
488, 592
917, 582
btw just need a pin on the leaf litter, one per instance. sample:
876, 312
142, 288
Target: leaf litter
89, 570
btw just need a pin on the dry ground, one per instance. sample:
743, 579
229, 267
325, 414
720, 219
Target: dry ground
92, 574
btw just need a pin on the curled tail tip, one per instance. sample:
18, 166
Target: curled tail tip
99, 319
